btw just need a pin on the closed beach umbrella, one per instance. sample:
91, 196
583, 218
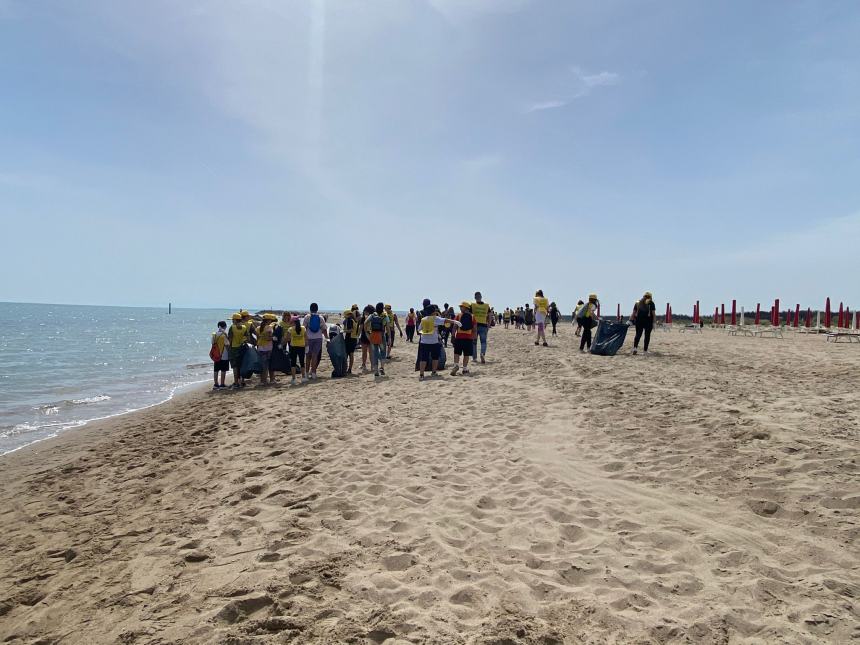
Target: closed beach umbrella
840, 321
619, 312
809, 316
716, 315
757, 313
670, 314
734, 312
698, 313
827, 313
797, 315
723, 314
776, 313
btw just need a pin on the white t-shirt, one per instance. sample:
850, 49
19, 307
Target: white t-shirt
432, 339
314, 334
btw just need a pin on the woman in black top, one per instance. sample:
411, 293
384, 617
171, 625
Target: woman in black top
644, 314
554, 316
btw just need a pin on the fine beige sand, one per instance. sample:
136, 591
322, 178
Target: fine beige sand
708, 493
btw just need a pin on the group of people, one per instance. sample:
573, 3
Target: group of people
293, 343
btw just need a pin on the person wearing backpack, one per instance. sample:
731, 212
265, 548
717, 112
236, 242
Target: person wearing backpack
529, 316
316, 330
374, 327
429, 345
554, 316
219, 354
464, 337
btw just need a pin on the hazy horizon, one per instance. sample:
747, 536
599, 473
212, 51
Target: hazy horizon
289, 152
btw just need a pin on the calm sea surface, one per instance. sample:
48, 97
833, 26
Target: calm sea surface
64, 365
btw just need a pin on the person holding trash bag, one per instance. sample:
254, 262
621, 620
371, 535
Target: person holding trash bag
586, 318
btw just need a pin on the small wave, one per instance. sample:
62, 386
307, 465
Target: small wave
91, 399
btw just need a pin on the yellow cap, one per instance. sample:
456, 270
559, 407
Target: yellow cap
269, 317
466, 304
592, 296
348, 312
648, 294
388, 306
236, 316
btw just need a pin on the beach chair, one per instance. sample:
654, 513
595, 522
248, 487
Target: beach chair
691, 328
838, 336
741, 331
773, 332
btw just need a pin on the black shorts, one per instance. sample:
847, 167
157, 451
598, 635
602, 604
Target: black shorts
222, 366
463, 346
428, 352
297, 356
350, 344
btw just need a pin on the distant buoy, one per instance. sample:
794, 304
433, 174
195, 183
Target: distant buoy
169, 308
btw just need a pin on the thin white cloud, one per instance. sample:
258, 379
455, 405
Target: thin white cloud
584, 84
545, 105
600, 79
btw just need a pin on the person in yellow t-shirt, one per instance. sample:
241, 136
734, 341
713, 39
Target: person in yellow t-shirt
541, 311
481, 314
239, 334
298, 336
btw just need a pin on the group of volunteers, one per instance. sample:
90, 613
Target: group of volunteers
293, 343
587, 315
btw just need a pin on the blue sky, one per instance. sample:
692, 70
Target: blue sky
270, 153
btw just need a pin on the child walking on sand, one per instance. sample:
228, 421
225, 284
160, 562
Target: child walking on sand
220, 354
298, 340
463, 338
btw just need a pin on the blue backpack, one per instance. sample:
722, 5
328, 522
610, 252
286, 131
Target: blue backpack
314, 323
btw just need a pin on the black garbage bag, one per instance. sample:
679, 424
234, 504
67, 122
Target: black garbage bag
609, 338
280, 360
337, 355
250, 362
443, 359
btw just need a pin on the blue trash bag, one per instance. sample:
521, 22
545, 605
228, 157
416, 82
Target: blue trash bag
609, 338
250, 362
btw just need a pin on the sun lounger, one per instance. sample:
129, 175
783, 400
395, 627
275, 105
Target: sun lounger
741, 331
773, 332
696, 329
847, 336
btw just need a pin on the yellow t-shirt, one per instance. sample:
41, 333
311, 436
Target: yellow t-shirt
480, 311
542, 305
297, 338
238, 334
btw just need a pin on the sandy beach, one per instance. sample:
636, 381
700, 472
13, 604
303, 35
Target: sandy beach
708, 493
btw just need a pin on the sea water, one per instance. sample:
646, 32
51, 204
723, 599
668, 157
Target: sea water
64, 365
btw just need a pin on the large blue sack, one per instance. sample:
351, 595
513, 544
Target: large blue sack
609, 338
337, 354
250, 362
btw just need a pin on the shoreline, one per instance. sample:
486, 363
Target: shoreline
550, 497
179, 392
